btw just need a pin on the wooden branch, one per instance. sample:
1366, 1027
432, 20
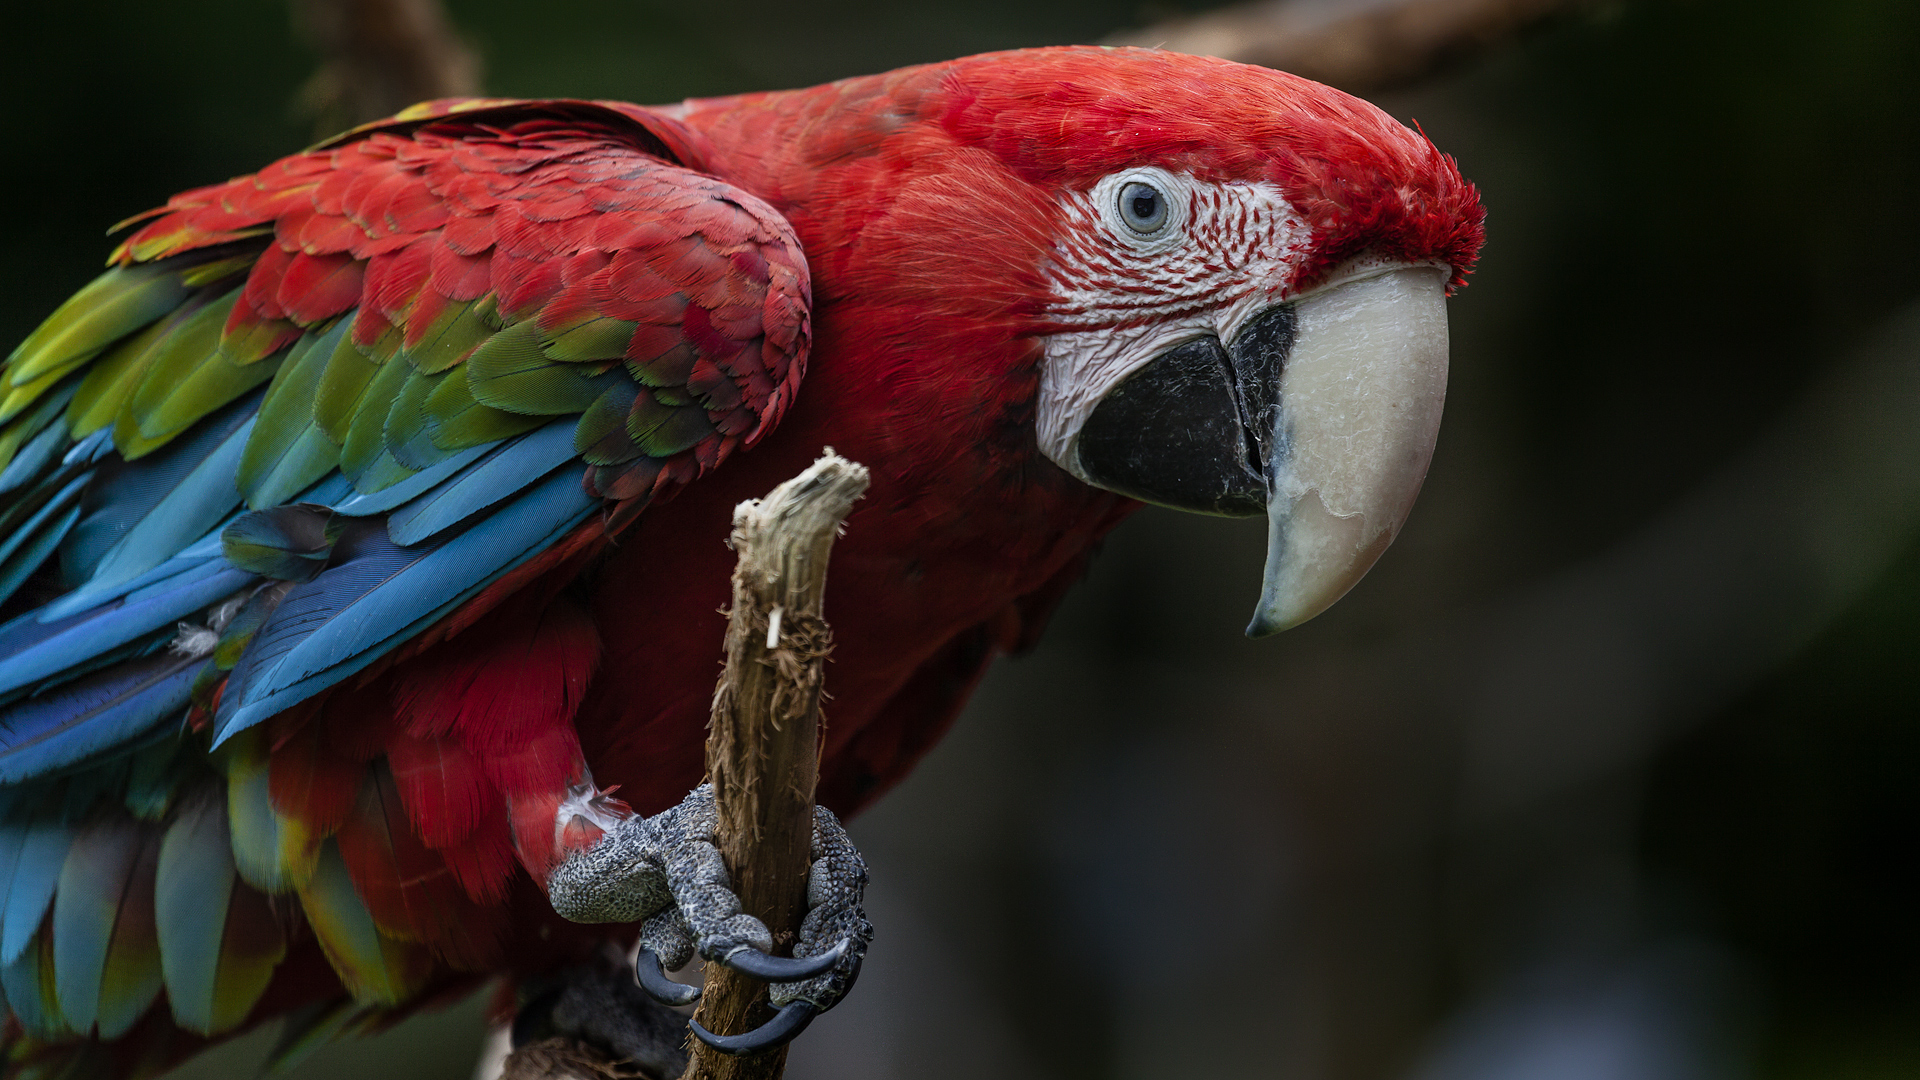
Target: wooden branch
763, 746
1361, 46
378, 57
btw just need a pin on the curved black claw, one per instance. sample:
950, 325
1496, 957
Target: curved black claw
789, 1022
779, 968
653, 979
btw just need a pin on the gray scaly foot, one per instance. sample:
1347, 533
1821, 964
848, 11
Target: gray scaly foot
665, 873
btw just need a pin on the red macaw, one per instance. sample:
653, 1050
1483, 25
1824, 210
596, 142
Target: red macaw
367, 512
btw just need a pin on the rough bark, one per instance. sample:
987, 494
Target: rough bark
763, 744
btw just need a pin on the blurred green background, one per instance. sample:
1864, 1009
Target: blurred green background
1607, 771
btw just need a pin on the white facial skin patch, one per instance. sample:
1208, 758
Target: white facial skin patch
1223, 254
1161, 259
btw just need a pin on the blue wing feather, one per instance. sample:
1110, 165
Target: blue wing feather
90, 449
36, 872
12, 836
411, 488
195, 504
399, 593
415, 589
98, 712
35, 651
31, 459
517, 464
119, 502
81, 601
24, 983
80, 682
28, 547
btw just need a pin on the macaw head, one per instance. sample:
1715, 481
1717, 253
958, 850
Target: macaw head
1232, 281
1247, 293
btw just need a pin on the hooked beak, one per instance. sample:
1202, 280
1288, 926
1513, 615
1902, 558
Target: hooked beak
1322, 413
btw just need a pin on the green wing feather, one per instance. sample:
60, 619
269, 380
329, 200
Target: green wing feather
390, 355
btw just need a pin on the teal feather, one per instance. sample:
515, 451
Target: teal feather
28, 980
38, 453
89, 450
155, 774
407, 436
13, 836
35, 875
382, 472
93, 883
131, 979
63, 499
99, 713
511, 469
128, 495
201, 499
380, 502
191, 896
57, 484
30, 651
31, 543
343, 620
78, 601
366, 434
332, 490
311, 457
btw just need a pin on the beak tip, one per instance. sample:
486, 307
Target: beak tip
1262, 627
1361, 396
1272, 618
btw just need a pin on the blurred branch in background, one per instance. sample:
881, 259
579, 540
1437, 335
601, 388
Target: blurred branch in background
378, 57
1361, 46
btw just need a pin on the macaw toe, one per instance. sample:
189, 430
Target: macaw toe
666, 873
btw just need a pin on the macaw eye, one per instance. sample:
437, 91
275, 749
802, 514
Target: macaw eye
1143, 208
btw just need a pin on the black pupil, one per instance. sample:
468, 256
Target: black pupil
1144, 204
